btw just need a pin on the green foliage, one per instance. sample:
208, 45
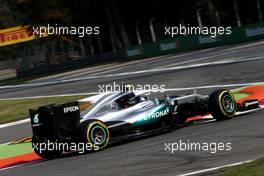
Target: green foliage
120, 16
38, 12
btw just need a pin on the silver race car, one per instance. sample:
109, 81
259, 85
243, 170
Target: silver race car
123, 115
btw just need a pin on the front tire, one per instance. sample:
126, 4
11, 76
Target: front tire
222, 104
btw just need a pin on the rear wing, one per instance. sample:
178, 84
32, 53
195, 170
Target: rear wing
55, 121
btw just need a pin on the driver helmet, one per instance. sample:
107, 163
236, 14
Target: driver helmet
141, 99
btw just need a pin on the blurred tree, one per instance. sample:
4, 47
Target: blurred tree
6, 16
259, 10
36, 12
211, 10
237, 13
6, 20
120, 17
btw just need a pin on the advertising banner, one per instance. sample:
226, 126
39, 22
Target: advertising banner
15, 35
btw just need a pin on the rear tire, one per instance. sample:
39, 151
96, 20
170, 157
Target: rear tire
95, 133
222, 104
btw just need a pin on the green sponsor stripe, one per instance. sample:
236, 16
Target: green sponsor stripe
7, 150
149, 119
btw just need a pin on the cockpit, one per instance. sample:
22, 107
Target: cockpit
130, 100
114, 102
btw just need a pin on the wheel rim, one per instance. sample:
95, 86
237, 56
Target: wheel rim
228, 104
98, 135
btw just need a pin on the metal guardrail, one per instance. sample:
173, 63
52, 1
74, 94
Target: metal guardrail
73, 64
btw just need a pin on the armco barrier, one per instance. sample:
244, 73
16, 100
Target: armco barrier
192, 42
69, 65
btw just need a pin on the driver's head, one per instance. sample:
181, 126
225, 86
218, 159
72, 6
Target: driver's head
136, 100
132, 101
141, 99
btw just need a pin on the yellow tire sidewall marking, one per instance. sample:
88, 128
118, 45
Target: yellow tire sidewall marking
220, 103
88, 131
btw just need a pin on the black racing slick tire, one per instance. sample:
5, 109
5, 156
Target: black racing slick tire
49, 154
95, 133
222, 104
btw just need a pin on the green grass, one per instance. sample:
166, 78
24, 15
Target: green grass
255, 168
239, 95
12, 110
7, 151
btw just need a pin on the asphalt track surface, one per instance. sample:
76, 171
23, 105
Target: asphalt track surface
147, 156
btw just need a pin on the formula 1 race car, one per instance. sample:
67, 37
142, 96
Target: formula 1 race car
123, 115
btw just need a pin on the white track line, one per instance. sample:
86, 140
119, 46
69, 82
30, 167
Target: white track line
5, 144
222, 49
131, 73
50, 96
203, 58
19, 165
145, 91
215, 168
14, 123
215, 86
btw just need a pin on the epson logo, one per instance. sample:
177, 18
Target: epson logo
71, 109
